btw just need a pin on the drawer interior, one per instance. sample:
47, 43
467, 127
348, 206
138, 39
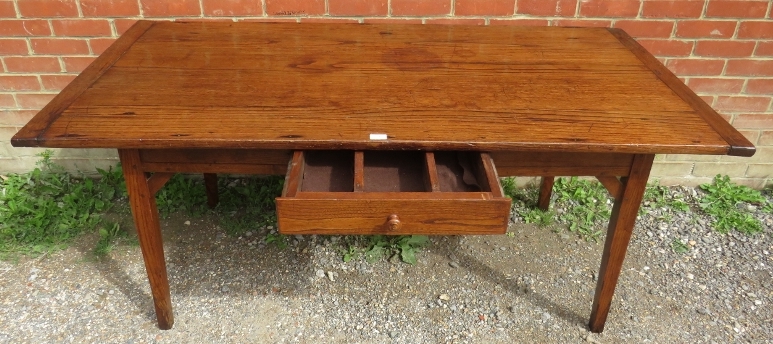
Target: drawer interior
392, 171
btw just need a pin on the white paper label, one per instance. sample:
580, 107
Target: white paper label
378, 136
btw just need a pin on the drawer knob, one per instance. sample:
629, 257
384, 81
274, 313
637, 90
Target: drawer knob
393, 223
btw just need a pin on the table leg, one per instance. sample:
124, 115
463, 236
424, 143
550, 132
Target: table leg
143, 204
545, 191
621, 223
210, 183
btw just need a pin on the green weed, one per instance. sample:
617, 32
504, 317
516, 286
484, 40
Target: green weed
508, 187
586, 203
182, 193
679, 247
659, 197
537, 216
109, 233
375, 247
44, 209
725, 202
248, 203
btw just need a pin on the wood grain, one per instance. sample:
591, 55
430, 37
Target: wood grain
739, 144
145, 212
612, 184
430, 172
545, 192
369, 216
427, 87
157, 181
30, 135
210, 184
549, 163
359, 168
624, 212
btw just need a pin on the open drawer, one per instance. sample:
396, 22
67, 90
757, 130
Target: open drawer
392, 192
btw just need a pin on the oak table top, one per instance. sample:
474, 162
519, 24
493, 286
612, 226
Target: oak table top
330, 86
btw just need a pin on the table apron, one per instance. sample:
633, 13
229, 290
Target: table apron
274, 162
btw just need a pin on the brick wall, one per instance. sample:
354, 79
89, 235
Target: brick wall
723, 50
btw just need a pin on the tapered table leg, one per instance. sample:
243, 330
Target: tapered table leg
621, 223
545, 191
143, 204
210, 183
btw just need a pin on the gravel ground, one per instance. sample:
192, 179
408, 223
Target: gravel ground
536, 285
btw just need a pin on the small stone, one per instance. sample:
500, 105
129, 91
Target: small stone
393, 334
546, 316
330, 276
187, 223
704, 311
453, 264
320, 273
248, 234
225, 289
690, 276
444, 297
757, 302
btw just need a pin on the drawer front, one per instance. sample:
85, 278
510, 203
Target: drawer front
392, 193
377, 216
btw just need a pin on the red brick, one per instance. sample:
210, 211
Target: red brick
295, 7
99, 45
759, 86
756, 29
582, 23
17, 117
33, 101
456, 21
742, 104
420, 7
766, 138
649, 28
609, 8
519, 22
11, 46
736, 9
56, 82
121, 25
59, 46
750, 67
32, 64
551, 8
764, 49
358, 7
705, 29
110, 8
86, 27
329, 20
711, 85
19, 83
48, 8
392, 21
484, 7
7, 102
724, 48
268, 20
709, 100
24, 27
672, 9
7, 10
695, 66
666, 47
753, 121
221, 8
170, 8
76, 64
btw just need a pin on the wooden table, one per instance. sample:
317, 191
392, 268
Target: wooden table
438, 111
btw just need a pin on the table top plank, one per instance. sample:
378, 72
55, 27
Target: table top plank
329, 86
